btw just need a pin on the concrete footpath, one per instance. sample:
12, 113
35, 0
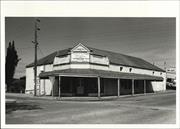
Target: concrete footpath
30, 96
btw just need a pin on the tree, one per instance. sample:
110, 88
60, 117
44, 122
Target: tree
11, 63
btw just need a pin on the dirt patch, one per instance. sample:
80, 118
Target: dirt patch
20, 106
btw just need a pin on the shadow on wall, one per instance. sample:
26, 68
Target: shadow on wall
20, 106
149, 87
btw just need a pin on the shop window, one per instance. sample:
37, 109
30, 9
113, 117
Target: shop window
127, 87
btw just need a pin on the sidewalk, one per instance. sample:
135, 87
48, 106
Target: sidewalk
28, 96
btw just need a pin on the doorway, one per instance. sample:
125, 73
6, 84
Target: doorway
78, 86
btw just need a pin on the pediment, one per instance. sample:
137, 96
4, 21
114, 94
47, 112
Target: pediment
80, 48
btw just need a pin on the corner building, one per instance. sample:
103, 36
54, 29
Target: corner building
86, 71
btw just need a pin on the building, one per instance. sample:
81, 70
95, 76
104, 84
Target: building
171, 73
86, 71
171, 77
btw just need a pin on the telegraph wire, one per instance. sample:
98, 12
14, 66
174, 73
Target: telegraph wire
40, 50
24, 48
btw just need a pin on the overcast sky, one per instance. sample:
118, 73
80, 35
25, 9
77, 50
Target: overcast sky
152, 39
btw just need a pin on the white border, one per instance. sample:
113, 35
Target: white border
88, 9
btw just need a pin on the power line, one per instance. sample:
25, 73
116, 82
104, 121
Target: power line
40, 50
24, 48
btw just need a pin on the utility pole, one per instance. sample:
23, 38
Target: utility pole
36, 29
165, 65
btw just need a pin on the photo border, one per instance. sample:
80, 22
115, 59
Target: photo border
90, 9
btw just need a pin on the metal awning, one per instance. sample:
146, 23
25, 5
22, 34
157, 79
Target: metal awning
98, 73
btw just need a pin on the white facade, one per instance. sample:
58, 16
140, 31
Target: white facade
80, 57
45, 84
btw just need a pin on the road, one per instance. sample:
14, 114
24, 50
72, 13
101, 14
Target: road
150, 109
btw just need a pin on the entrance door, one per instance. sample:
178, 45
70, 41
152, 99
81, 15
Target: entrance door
80, 88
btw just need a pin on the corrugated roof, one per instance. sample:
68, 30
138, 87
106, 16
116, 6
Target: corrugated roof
45, 60
114, 58
49, 58
121, 59
99, 73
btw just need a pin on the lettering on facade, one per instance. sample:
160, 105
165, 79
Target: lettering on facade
80, 57
99, 60
62, 60
80, 54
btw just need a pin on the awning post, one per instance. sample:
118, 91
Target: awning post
39, 83
132, 86
44, 87
118, 81
59, 87
99, 88
145, 87
52, 79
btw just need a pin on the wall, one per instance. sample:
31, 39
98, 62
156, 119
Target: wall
156, 85
61, 67
99, 60
61, 60
29, 80
44, 83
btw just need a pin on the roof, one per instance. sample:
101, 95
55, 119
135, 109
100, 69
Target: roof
114, 58
49, 58
98, 73
121, 59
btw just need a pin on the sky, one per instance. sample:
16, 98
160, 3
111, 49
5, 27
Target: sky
152, 39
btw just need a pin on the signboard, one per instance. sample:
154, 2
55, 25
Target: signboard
61, 60
80, 57
80, 54
99, 60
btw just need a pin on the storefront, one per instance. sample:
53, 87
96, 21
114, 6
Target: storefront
85, 71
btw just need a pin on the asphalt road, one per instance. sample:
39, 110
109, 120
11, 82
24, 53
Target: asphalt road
150, 109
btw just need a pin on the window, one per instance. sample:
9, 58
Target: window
130, 69
121, 68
